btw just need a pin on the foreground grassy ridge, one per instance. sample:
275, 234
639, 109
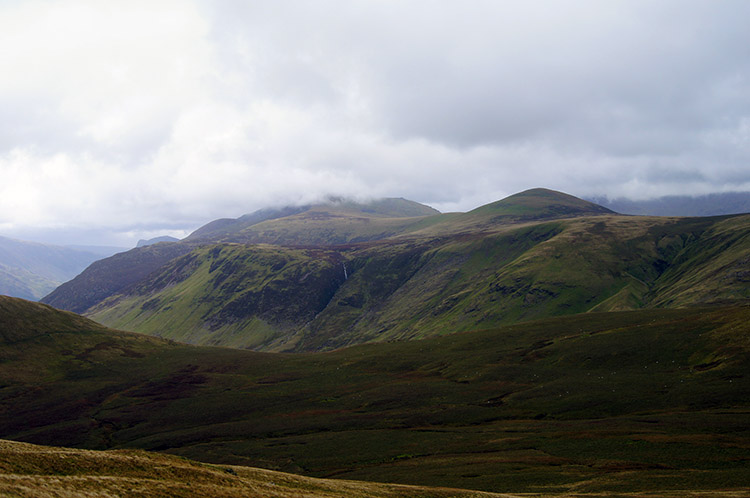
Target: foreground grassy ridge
309, 299
41, 471
34, 471
644, 401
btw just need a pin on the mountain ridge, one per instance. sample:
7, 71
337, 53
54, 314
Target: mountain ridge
536, 254
715, 204
257, 227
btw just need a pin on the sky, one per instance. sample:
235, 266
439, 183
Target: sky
123, 120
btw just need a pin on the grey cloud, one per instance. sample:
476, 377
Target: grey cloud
663, 66
249, 104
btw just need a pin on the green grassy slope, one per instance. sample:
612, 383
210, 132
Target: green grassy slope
652, 400
715, 267
336, 222
111, 275
540, 203
230, 295
309, 299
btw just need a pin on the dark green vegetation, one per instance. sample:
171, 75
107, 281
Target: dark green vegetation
30, 270
533, 255
621, 402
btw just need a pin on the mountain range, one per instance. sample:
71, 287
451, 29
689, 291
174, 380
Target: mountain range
322, 277
541, 345
681, 205
31, 270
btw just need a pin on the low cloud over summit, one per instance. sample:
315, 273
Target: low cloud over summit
150, 119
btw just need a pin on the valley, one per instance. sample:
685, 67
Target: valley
31, 270
301, 282
637, 401
540, 345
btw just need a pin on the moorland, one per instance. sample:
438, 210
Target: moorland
539, 345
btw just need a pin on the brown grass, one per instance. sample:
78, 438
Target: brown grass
33, 471
28, 470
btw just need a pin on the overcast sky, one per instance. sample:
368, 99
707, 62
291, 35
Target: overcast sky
126, 120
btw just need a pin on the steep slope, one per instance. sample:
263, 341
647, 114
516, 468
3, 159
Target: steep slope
536, 254
295, 299
112, 275
625, 403
229, 295
31, 270
714, 267
338, 221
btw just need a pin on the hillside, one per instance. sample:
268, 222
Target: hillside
156, 240
338, 221
132, 290
536, 254
652, 402
316, 298
539, 203
108, 276
31, 270
34, 471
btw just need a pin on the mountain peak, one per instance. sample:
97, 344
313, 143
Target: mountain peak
389, 207
539, 203
297, 224
156, 240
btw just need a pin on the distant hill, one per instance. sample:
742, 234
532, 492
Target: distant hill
649, 403
682, 205
536, 254
338, 221
539, 203
108, 276
303, 299
101, 251
31, 270
156, 240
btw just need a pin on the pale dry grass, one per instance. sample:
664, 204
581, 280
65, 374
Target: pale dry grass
31, 471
